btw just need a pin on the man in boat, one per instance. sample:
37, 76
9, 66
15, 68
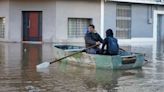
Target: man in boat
92, 38
112, 47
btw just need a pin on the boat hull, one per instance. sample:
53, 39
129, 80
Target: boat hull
130, 61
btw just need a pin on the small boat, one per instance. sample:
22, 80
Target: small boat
125, 60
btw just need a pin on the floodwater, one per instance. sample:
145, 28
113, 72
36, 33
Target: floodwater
18, 72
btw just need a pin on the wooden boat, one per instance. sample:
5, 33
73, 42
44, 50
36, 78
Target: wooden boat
125, 60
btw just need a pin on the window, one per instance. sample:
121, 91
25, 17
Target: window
77, 27
123, 21
2, 27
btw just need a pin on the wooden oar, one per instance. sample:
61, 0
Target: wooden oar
46, 64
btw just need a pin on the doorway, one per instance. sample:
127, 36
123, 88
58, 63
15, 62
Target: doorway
32, 25
160, 36
160, 28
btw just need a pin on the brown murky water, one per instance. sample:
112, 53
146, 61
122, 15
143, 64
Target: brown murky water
18, 72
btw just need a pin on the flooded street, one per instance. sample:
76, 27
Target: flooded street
18, 72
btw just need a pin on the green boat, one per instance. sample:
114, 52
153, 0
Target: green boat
125, 60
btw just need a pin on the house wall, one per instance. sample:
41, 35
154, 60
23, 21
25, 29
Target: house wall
55, 17
110, 16
140, 21
75, 9
48, 12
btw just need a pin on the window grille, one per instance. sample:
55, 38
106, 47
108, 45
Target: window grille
77, 27
123, 21
2, 27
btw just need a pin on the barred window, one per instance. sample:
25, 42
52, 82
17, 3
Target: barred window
77, 27
123, 21
2, 27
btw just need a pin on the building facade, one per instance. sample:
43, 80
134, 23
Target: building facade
135, 20
47, 20
67, 21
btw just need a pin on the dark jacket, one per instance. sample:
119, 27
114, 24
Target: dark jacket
111, 43
109, 50
92, 38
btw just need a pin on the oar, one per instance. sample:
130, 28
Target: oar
46, 64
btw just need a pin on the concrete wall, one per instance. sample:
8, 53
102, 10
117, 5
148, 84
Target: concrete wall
75, 9
4, 12
140, 26
110, 17
46, 6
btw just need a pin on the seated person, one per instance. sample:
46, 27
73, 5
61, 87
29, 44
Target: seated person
112, 47
92, 39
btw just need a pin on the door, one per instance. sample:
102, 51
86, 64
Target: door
32, 26
160, 36
159, 31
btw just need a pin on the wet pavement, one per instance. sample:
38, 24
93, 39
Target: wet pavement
18, 72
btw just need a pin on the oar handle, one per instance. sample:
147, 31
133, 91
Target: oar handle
72, 54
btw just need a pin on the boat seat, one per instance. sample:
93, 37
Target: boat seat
129, 59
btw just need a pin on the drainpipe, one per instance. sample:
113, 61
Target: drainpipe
102, 19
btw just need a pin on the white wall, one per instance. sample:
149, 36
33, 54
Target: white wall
48, 11
75, 9
4, 12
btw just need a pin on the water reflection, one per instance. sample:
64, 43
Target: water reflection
97, 79
32, 56
18, 67
160, 51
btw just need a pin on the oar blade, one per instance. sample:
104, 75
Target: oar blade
43, 65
